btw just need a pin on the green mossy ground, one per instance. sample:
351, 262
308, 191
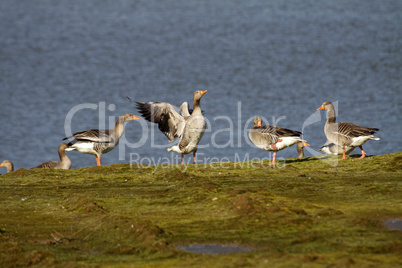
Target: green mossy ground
313, 211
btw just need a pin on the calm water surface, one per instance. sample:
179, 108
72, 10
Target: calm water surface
278, 59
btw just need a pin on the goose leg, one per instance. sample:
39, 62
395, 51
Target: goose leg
343, 154
98, 163
273, 159
182, 162
363, 153
195, 161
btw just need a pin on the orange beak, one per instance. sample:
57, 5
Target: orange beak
259, 124
2, 164
203, 92
306, 144
321, 107
135, 118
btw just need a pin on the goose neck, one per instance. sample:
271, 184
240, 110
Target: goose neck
300, 150
119, 128
331, 117
196, 107
63, 156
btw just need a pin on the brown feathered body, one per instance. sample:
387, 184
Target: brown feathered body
64, 163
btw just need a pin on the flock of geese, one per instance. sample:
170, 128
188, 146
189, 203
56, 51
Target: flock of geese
189, 126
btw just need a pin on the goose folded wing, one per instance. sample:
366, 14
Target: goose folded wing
169, 121
352, 130
278, 131
264, 135
93, 135
49, 164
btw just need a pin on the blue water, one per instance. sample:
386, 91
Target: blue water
271, 58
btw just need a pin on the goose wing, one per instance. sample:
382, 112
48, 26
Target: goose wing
93, 135
277, 131
169, 121
263, 135
48, 164
351, 130
185, 111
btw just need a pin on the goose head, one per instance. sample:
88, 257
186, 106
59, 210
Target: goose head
7, 164
198, 94
63, 146
197, 97
300, 146
257, 121
128, 117
326, 106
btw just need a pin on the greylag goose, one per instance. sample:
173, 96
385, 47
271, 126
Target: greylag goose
331, 148
99, 141
345, 134
7, 164
65, 161
300, 146
271, 138
189, 128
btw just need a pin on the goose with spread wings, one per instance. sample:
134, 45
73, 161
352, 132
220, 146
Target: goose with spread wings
345, 134
187, 125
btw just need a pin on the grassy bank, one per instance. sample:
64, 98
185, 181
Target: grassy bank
307, 211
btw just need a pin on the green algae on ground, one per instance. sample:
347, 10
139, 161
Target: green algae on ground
309, 210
